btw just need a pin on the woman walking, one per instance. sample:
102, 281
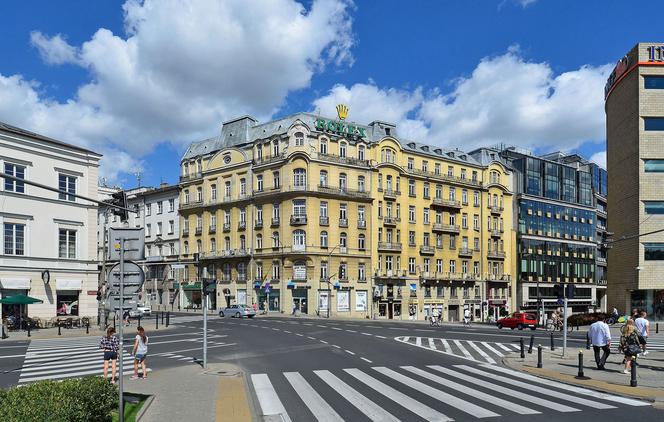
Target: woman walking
110, 344
630, 344
139, 352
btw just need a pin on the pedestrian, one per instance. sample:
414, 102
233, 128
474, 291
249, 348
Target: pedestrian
635, 314
294, 308
126, 317
265, 307
643, 326
140, 352
466, 316
253, 305
110, 345
630, 344
600, 337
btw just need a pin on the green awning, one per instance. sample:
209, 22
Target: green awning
192, 286
176, 285
20, 300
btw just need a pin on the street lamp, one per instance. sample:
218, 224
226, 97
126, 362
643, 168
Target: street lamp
329, 290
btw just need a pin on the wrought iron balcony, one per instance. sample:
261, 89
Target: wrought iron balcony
427, 250
496, 254
445, 228
446, 203
324, 221
298, 220
389, 246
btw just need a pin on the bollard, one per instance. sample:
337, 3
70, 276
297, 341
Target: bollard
532, 341
162, 317
156, 322
87, 327
139, 319
4, 334
580, 374
29, 335
632, 381
657, 328
587, 341
168, 318
539, 355
59, 332
114, 322
523, 355
552, 346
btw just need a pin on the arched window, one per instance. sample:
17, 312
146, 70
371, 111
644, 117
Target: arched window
199, 246
275, 148
323, 178
259, 241
342, 148
243, 242
299, 240
300, 178
299, 139
186, 247
323, 239
343, 240
343, 181
213, 245
360, 183
299, 270
361, 242
360, 152
323, 146
227, 243
275, 240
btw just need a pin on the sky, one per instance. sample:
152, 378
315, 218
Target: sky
139, 80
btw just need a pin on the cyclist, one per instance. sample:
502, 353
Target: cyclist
466, 316
435, 315
556, 321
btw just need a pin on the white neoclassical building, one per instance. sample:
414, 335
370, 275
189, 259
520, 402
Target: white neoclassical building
49, 247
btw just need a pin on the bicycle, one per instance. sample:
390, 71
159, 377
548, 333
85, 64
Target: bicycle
557, 325
466, 322
434, 322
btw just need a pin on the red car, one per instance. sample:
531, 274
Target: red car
518, 320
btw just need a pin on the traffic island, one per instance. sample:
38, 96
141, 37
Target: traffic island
610, 380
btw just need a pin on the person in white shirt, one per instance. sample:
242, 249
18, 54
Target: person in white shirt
466, 316
600, 337
643, 327
435, 315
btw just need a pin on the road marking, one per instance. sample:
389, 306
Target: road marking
289, 332
488, 346
542, 338
11, 356
406, 339
96, 371
268, 398
420, 409
472, 392
366, 334
298, 334
370, 409
541, 390
338, 347
463, 349
446, 345
380, 336
276, 329
481, 352
322, 411
418, 341
439, 395
323, 341
366, 360
351, 331
502, 346
511, 393
349, 352
336, 328
312, 338
321, 326
432, 345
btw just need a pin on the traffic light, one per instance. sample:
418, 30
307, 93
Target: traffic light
118, 203
559, 290
569, 291
209, 286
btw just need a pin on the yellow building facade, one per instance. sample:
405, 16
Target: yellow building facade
325, 217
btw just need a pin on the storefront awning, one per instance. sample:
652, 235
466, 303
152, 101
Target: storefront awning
68, 284
15, 283
192, 286
290, 285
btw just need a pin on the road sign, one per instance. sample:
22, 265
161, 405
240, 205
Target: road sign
177, 266
134, 277
134, 244
560, 301
113, 302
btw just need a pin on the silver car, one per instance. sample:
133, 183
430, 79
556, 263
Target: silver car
237, 311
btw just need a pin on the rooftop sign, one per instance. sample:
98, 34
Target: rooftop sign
340, 127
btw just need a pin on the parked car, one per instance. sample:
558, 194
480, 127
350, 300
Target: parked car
145, 310
237, 311
518, 320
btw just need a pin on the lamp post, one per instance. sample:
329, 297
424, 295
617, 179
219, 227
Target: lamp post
329, 290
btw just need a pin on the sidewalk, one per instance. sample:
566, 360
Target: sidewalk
650, 371
188, 393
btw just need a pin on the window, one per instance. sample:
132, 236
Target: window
186, 247
343, 240
323, 239
411, 163
299, 208
343, 273
171, 225
243, 215
323, 146
67, 243
148, 228
476, 198
342, 149
323, 208
361, 272
411, 238
275, 148
653, 251
452, 242
243, 187
186, 197
476, 222
361, 242
323, 270
300, 178
425, 166
426, 190
411, 265
259, 214
323, 178
227, 189
213, 192
411, 213
653, 166
259, 183
276, 180
452, 194
343, 181
299, 240
259, 241
18, 172
213, 245
199, 194
450, 171
171, 205
360, 183
14, 239
360, 213
343, 215
159, 228
464, 220
275, 240
411, 187
389, 263
654, 207
299, 139
653, 82
387, 155
464, 196
160, 207
360, 152
453, 266
66, 184
426, 216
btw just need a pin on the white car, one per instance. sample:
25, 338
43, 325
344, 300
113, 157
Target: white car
144, 310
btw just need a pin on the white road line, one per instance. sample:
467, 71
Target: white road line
289, 332
420, 409
442, 396
323, 341
298, 334
267, 397
541, 390
432, 344
494, 351
370, 409
276, 329
322, 411
336, 328
349, 352
570, 388
507, 391
366, 334
311, 338
338, 347
406, 339
72, 375
418, 341
11, 356
351, 331
48, 369
321, 326
463, 349
380, 336
366, 360
472, 392
481, 352
446, 345
502, 346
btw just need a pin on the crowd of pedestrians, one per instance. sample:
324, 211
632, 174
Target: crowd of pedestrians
110, 344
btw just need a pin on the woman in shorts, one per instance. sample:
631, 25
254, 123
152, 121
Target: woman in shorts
110, 344
139, 352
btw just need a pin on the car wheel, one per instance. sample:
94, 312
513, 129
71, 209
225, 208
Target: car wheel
238, 315
511, 328
500, 326
520, 326
533, 328
250, 316
221, 314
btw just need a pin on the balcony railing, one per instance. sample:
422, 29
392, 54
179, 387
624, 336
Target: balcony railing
389, 246
446, 203
242, 225
212, 230
391, 194
447, 228
601, 260
275, 222
495, 209
269, 159
344, 160
427, 250
191, 176
391, 221
361, 224
298, 220
258, 224
390, 274
185, 232
199, 230
343, 222
446, 177
496, 232
496, 254
465, 252
227, 227
343, 191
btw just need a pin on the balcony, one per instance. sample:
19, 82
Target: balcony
268, 160
191, 205
495, 209
242, 225
601, 228
265, 192
601, 261
185, 232
496, 232
601, 282
389, 247
445, 177
191, 176
498, 277
199, 230
464, 251
344, 160
227, 227
495, 254
258, 224
390, 274
324, 221
445, 228
391, 194
212, 229
343, 191
427, 250
446, 203
343, 222
601, 213
390, 221
361, 224
298, 220
274, 222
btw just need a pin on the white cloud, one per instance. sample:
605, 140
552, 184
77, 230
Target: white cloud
525, 3
599, 158
506, 99
182, 68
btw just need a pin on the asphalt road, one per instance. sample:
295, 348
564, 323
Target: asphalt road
330, 370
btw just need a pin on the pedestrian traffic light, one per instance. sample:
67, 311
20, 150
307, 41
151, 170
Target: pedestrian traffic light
559, 290
569, 291
118, 204
209, 286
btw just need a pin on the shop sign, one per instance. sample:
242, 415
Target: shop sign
300, 272
92, 293
621, 67
361, 300
340, 128
343, 299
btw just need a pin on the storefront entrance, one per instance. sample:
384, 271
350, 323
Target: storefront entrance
271, 299
389, 309
453, 313
300, 301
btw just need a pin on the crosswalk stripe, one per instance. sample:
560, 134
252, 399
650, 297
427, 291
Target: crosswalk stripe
444, 397
472, 392
541, 390
569, 388
73, 374
418, 341
488, 346
432, 344
267, 397
370, 409
463, 349
78, 363
498, 388
398, 397
128, 360
502, 346
481, 352
406, 339
322, 411
446, 345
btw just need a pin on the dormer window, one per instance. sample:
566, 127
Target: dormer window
411, 145
299, 139
387, 131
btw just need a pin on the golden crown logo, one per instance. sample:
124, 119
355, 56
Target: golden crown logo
342, 111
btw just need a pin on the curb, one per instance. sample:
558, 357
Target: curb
141, 412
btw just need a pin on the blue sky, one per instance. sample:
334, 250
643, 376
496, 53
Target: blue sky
138, 81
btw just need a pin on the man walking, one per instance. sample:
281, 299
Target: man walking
643, 327
600, 337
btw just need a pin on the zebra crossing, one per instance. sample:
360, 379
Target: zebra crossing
434, 393
479, 351
176, 320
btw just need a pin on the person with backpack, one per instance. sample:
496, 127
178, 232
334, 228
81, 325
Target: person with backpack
643, 326
630, 344
110, 344
140, 351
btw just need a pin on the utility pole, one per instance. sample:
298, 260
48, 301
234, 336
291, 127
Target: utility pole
120, 329
565, 324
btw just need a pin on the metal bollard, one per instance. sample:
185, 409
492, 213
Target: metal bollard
580, 374
4, 334
59, 332
552, 346
87, 327
532, 341
114, 322
139, 320
168, 318
587, 341
162, 317
523, 355
29, 335
657, 328
539, 355
156, 322
632, 381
